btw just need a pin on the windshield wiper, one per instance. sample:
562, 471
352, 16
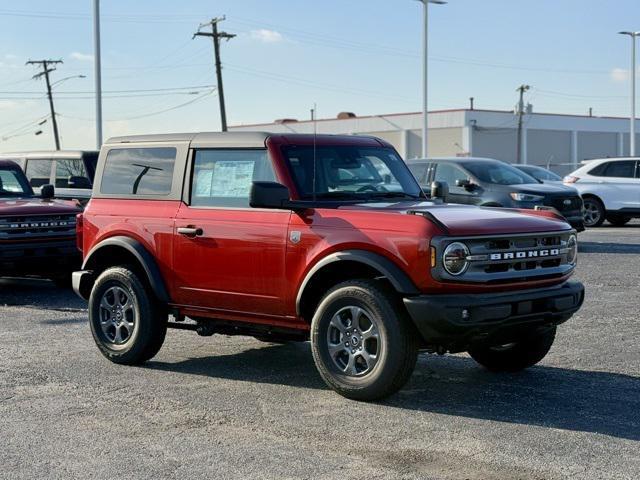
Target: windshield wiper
393, 195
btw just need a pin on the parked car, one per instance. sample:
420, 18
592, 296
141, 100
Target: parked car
37, 233
610, 189
71, 172
539, 173
493, 183
327, 238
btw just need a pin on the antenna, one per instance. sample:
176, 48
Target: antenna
315, 134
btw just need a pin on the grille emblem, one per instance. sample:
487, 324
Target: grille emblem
566, 202
525, 254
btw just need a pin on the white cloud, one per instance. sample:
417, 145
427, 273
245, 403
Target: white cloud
619, 75
267, 36
83, 57
10, 56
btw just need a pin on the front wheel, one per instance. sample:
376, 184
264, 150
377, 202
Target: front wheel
363, 344
516, 356
127, 322
593, 212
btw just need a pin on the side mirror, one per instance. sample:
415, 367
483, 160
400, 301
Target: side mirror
47, 191
465, 183
79, 182
268, 195
439, 190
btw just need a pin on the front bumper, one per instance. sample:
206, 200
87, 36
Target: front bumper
50, 258
457, 322
82, 282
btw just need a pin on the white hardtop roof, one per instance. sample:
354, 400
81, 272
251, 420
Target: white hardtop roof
202, 139
47, 154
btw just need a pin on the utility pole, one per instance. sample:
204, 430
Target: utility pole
632, 77
521, 89
425, 70
216, 36
47, 68
97, 66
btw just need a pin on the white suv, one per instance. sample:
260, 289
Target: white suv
610, 189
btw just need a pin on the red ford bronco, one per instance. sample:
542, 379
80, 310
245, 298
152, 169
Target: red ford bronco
37, 233
327, 238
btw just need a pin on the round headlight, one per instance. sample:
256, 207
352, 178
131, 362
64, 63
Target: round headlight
572, 249
454, 258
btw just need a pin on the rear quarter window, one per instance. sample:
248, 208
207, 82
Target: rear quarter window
138, 171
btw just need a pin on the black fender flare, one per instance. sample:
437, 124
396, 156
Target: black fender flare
142, 255
396, 276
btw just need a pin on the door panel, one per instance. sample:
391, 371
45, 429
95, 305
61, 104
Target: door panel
230, 257
236, 264
618, 186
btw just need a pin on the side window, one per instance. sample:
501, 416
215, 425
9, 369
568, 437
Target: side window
445, 172
419, 171
9, 182
38, 171
138, 171
223, 177
71, 167
623, 169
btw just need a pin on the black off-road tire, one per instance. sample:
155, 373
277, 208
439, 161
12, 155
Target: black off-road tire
397, 343
594, 212
515, 356
151, 317
618, 220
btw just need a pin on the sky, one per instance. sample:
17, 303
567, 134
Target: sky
362, 56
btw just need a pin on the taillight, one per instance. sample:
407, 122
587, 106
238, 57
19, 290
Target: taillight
79, 231
570, 179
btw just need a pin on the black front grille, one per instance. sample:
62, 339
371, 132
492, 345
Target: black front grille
511, 258
37, 227
565, 204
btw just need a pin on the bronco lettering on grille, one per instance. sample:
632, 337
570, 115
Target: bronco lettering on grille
525, 254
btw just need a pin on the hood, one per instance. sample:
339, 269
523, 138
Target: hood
548, 189
462, 220
36, 206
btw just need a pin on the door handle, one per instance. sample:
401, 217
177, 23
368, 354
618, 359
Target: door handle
190, 232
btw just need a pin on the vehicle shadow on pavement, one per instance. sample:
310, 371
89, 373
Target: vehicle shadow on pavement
586, 401
578, 400
286, 364
608, 247
41, 294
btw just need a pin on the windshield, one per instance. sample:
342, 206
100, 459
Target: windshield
498, 173
540, 173
351, 173
13, 184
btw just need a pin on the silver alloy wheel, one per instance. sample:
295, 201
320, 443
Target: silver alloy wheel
591, 213
117, 315
353, 340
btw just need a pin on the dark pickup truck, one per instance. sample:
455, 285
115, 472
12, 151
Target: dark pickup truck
37, 233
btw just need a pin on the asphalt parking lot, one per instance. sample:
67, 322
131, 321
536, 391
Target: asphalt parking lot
232, 407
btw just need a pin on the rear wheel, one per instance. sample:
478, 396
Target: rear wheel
127, 322
363, 344
594, 213
618, 220
516, 356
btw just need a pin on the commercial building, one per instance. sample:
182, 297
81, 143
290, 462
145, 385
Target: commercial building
551, 140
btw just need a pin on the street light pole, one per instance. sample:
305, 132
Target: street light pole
632, 78
425, 68
97, 71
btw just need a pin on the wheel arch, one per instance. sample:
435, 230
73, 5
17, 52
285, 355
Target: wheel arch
126, 250
345, 265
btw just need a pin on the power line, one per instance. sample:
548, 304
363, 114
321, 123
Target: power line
139, 90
